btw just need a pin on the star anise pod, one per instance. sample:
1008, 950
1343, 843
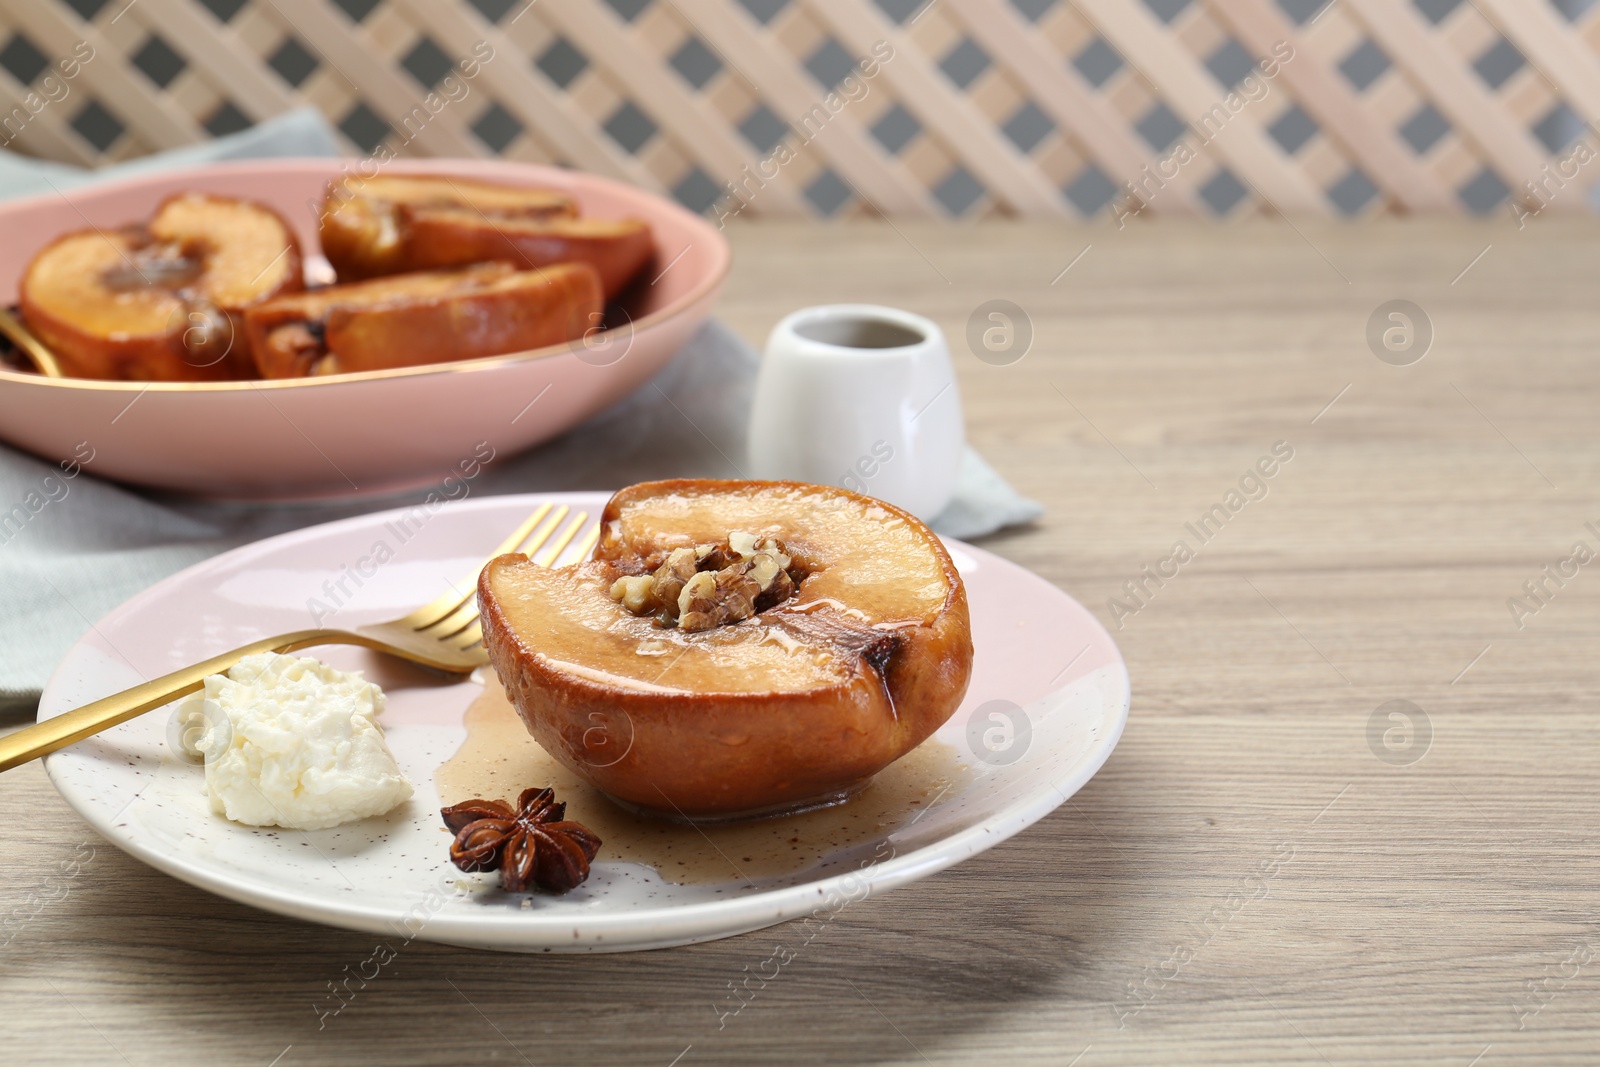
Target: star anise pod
531, 846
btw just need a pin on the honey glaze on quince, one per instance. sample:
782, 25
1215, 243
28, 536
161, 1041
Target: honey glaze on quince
500, 758
890, 580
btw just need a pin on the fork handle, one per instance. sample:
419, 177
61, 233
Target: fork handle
73, 726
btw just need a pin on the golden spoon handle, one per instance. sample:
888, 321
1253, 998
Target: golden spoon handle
73, 726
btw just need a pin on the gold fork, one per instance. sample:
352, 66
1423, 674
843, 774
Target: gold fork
444, 634
44, 360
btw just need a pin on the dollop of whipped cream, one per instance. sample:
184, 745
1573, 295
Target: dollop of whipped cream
290, 741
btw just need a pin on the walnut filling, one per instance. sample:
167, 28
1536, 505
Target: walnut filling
303, 343
152, 263
710, 585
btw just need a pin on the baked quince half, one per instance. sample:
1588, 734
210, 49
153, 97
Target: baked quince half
426, 317
734, 648
390, 224
161, 301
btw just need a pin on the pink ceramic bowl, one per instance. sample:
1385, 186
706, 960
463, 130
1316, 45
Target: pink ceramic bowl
365, 433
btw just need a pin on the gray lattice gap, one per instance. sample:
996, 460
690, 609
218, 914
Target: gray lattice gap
364, 126
628, 9
224, 10
226, 119
763, 11
1303, 11
630, 127
899, 10
1027, 126
958, 190
292, 62
1498, 63
158, 61
827, 192
830, 64
696, 191
763, 128
1230, 64
427, 62
561, 62
1483, 193
1097, 62
1033, 10
1352, 192
1091, 190
1437, 11
1223, 192
497, 127
1424, 129
1160, 127
356, 9
695, 62
86, 9
1559, 128
1365, 64
896, 128
493, 10
1293, 129
1167, 10
965, 63
22, 59
98, 126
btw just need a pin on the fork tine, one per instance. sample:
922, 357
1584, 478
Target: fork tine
533, 544
466, 620
467, 612
552, 553
586, 546
448, 602
464, 640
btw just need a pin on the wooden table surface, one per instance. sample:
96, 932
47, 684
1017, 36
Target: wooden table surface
1270, 869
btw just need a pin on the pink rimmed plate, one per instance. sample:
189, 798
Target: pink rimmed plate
1047, 703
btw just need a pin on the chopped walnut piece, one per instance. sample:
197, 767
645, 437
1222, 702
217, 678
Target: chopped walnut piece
775, 550
718, 558
636, 594
679, 567
697, 592
708, 585
771, 579
764, 568
711, 599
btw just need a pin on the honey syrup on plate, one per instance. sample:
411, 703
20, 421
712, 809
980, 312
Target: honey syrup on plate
499, 759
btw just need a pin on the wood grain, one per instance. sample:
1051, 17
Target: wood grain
1408, 909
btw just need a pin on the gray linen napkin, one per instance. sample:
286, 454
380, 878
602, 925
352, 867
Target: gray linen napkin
301, 132
96, 543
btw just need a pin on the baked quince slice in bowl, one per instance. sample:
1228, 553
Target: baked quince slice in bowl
392, 224
734, 648
426, 317
163, 300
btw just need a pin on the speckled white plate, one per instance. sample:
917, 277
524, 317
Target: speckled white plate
1048, 700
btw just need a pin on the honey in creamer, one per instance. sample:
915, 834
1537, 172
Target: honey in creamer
499, 759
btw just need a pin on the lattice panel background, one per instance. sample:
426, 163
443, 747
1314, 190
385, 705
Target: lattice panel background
1088, 108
